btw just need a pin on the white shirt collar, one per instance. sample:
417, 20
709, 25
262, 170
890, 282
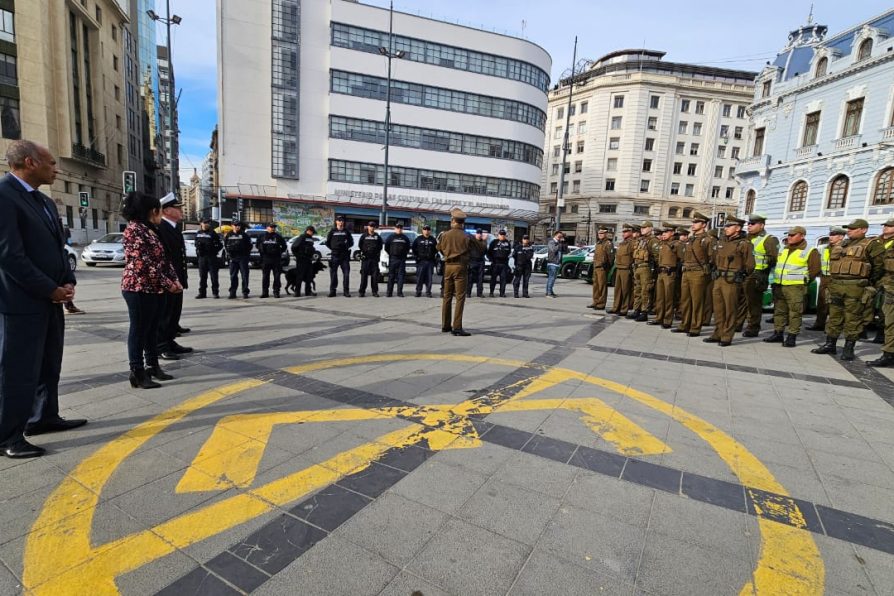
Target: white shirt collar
27, 186
173, 224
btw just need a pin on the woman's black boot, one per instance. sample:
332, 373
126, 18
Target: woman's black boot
139, 378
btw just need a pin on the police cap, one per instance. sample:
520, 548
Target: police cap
732, 220
756, 218
458, 214
699, 217
426, 227
837, 231
857, 224
889, 223
797, 230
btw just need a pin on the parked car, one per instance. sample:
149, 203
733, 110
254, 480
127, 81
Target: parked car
539, 262
570, 261
386, 233
254, 259
109, 250
72, 257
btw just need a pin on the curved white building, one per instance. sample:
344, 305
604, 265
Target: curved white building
302, 88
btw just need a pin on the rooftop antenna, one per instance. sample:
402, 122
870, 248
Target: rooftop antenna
810, 16
524, 24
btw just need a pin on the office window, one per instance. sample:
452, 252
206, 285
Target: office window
567, 168
798, 198
689, 190
560, 113
731, 173
616, 122
683, 127
822, 67
693, 149
117, 121
7, 26
687, 213
759, 141
734, 154
611, 165
115, 63
838, 192
609, 185
737, 132
114, 33
647, 165
652, 123
690, 169
644, 186
578, 167
721, 151
811, 128
684, 105
614, 143
697, 129
852, 118
678, 167
10, 119
715, 192
554, 187
884, 188
681, 148
581, 128
724, 131
865, 50
575, 187
640, 209
650, 145
675, 188
699, 107
9, 70
718, 171
619, 101
765, 89
750, 198
558, 133
584, 107
654, 102
555, 171
95, 217
572, 109
580, 146
741, 112
608, 208
728, 194
117, 93
727, 110
98, 19
557, 151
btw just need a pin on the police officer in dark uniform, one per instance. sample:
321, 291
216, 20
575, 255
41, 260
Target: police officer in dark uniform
425, 249
499, 252
524, 263
371, 245
398, 247
238, 245
476, 264
208, 245
271, 246
339, 241
303, 250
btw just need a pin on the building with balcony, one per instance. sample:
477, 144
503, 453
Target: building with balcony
820, 148
71, 96
169, 148
647, 139
302, 96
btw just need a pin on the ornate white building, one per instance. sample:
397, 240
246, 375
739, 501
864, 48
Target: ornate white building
649, 139
821, 142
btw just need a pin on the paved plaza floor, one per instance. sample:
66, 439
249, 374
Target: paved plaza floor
346, 446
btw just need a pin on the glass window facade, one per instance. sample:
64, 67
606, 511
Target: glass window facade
285, 43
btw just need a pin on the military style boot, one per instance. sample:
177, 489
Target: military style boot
790, 340
879, 336
830, 347
847, 354
886, 360
776, 338
633, 315
642, 318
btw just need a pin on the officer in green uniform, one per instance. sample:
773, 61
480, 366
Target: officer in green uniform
886, 240
644, 267
669, 254
836, 235
733, 263
698, 253
766, 251
623, 298
796, 267
455, 245
855, 266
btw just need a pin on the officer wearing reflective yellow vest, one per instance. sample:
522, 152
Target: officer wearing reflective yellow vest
766, 251
796, 267
836, 235
645, 256
733, 263
886, 240
855, 267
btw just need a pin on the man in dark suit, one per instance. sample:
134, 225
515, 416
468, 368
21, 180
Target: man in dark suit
35, 280
175, 249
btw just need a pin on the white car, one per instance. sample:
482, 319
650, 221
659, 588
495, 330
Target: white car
72, 257
108, 249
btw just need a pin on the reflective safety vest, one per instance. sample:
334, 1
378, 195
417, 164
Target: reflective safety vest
824, 261
791, 268
760, 253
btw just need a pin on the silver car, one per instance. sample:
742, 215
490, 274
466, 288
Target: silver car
109, 250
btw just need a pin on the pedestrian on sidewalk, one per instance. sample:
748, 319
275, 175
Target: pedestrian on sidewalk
555, 248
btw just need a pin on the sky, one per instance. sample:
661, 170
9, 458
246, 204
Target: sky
741, 35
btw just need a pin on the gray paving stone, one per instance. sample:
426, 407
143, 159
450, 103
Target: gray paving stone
9, 583
465, 559
486, 459
870, 501
880, 567
849, 575
407, 584
623, 501
856, 470
545, 573
510, 511
441, 486
713, 528
155, 576
537, 474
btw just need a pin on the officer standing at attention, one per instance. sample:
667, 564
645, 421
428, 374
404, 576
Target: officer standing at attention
643, 272
499, 252
455, 245
371, 245
523, 254
623, 273
304, 250
796, 267
698, 253
603, 258
339, 241
669, 255
208, 245
271, 246
425, 249
855, 266
733, 263
238, 245
398, 247
766, 252
476, 264
886, 240
836, 235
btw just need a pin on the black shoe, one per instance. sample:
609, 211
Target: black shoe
503, 295
666, 326
418, 294
767, 320
678, 330
139, 378
461, 333
654, 322
525, 296
711, 340
863, 334
22, 449
53, 426
169, 356
446, 329
884, 361
362, 294
178, 349
400, 294
276, 294
816, 327
790, 340
232, 296
491, 295
479, 295
847, 354
694, 334
428, 295
200, 296
346, 294
216, 296
633, 315
389, 295
750, 333
642, 318
723, 344
879, 336
375, 295
155, 371
830, 347
611, 312
776, 338
245, 296
332, 294
183, 329
310, 293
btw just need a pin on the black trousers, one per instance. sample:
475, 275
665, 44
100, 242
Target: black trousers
476, 277
305, 274
144, 311
268, 267
30, 365
397, 271
343, 263
208, 266
369, 273
424, 271
169, 319
498, 272
238, 266
523, 276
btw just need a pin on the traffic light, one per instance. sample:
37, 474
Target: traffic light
130, 182
84, 199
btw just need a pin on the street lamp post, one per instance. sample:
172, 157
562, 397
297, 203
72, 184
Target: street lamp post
389, 53
560, 198
169, 20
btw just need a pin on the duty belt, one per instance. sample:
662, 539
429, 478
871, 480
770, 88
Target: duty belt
638, 265
850, 280
693, 268
623, 267
667, 270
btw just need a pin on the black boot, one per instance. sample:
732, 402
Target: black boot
633, 315
886, 360
776, 338
155, 371
817, 326
830, 347
642, 318
879, 336
139, 378
790, 340
847, 354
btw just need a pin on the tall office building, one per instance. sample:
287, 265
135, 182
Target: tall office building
167, 105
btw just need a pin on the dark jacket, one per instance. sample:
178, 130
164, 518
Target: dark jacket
340, 243
304, 249
271, 246
238, 244
32, 261
175, 250
397, 246
370, 246
208, 244
523, 255
425, 249
555, 250
499, 251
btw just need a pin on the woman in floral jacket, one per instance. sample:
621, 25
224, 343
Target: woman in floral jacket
148, 275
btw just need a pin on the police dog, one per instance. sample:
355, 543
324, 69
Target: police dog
292, 277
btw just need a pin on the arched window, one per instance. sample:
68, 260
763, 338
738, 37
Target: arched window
865, 50
673, 212
750, 198
884, 188
822, 67
799, 196
687, 213
838, 192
